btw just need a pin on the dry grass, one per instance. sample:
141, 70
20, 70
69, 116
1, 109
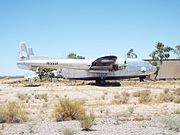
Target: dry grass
169, 96
87, 121
68, 109
99, 104
41, 97
68, 131
137, 94
12, 112
177, 91
166, 96
138, 117
123, 98
124, 114
176, 99
1, 129
131, 109
145, 96
22, 96
177, 111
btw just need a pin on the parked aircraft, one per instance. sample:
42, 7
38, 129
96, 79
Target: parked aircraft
100, 69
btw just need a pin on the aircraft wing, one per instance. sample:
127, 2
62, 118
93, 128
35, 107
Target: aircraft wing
106, 63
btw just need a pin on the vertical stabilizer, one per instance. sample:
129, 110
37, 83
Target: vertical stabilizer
23, 52
30, 52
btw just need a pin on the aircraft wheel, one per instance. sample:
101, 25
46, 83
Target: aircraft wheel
100, 82
141, 79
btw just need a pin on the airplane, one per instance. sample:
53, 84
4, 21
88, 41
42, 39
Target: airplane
100, 69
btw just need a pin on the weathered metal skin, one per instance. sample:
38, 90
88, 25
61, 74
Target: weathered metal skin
107, 67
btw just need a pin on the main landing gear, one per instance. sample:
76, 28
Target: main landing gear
141, 79
101, 81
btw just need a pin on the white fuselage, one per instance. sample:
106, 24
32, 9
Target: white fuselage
79, 68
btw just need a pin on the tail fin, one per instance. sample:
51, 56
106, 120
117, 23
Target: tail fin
23, 52
30, 52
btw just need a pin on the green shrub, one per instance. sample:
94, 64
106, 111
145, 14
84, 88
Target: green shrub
171, 123
68, 109
177, 111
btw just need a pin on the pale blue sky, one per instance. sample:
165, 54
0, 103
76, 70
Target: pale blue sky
90, 28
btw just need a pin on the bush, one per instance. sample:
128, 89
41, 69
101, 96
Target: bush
131, 109
177, 91
172, 123
123, 115
137, 94
68, 131
68, 109
166, 91
12, 112
22, 96
138, 118
177, 111
121, 99
41, 96
86, 122
167, 96
145, 96
176, 99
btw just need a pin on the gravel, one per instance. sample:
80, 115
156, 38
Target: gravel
103, 126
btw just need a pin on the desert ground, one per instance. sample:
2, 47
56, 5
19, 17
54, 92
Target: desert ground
133, 108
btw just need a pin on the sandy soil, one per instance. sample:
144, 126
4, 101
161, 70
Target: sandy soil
111, 118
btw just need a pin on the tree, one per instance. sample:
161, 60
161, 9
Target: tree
177, 51
71, 56
45, 73
131, 54
80, 57
161, 52
75, 56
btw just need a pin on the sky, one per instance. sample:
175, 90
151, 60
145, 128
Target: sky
90, 28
